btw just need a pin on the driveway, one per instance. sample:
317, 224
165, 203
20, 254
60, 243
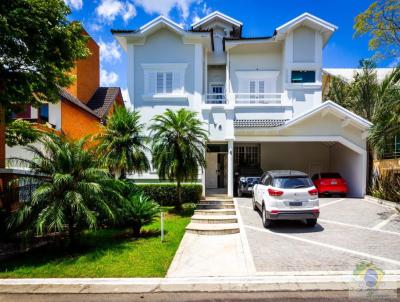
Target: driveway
349, 231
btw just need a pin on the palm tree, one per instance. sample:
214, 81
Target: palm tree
178, 146
74, 190
376, 101
122, 143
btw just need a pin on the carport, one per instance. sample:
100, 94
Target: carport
327, 138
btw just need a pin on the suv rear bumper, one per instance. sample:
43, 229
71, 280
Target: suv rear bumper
293, 215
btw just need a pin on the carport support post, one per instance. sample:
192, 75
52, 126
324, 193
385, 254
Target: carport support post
230, 168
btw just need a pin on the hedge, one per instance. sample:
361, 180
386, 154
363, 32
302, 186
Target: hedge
166, 194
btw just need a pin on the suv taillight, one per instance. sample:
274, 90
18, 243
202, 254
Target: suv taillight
273, 192
313, 192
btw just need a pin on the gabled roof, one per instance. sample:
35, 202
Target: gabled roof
153, 26
216, 15
326, 28
65, 95
103, 99
334, 108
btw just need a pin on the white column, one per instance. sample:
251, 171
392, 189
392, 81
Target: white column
198, 76
131, 74
230, 168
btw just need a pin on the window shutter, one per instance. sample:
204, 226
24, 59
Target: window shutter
151, 82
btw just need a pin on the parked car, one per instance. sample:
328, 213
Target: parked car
241, 186
286, 195
329, 183
245, 185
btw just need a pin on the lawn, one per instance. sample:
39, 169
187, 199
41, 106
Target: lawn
105, 253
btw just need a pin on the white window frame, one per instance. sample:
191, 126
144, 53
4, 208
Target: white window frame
178, 81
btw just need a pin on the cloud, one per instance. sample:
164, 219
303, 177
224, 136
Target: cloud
200, 12
107, 78
165, 6
74, 4
95, 27
109, 52
127, 100
108, 10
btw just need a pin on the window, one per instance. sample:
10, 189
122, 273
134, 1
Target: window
303, 76
247, 155
163, 80
44, 112
292, 182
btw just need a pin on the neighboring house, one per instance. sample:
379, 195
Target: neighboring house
83, 107
259, 97
390, 161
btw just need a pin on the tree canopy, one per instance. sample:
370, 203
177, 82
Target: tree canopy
382, 21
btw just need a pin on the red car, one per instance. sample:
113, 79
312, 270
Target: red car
330, 184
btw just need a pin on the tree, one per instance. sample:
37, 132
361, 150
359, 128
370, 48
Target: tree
139, 210
74, 190
21, 132
122, 143
38, 47
178, 147
378, 102
382, 21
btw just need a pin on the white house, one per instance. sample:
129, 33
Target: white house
260, 97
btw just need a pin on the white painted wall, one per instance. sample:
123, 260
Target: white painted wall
350, 165
303, 45
19, 152
55, 114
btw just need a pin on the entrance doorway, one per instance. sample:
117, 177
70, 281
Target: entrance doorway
217, 167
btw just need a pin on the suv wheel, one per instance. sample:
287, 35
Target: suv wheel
266, 222
311, 222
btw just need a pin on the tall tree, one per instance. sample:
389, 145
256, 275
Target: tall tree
178, 147
122, 143
382, 21
38, 46
73, 191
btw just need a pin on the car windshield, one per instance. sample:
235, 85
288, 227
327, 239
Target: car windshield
292, 182
330, 175
252, 179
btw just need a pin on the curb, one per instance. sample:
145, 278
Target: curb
387, 203
340, 282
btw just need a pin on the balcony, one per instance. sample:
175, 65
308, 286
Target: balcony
247, 99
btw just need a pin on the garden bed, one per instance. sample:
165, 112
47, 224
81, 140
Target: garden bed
104, 253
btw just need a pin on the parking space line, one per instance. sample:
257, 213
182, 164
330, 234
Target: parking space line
326, 245
378, 204
384, 222
330, 203
358, 227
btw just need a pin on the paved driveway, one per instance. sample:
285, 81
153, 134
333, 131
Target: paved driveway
349, 231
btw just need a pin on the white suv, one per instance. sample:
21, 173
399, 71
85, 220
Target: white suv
286, 195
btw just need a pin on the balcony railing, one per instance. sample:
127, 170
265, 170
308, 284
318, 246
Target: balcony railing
215, 98
258, 98
247, 98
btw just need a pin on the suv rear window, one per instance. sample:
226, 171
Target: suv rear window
292, 182
330, 175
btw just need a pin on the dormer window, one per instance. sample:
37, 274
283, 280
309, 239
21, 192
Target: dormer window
303, 76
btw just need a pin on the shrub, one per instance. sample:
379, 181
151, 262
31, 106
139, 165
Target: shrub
166, 194
139, 210
387, 187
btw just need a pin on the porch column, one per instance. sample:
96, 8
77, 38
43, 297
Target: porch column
230, 168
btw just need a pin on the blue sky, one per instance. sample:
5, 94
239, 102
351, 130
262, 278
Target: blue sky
259, 18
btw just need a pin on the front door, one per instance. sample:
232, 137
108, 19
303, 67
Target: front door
212, 170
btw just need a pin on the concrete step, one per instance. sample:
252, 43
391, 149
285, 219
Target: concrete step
215, 212
214, 206
213, 229
216, 202
218, 197
213, 219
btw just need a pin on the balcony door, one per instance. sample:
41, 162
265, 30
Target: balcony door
217, 91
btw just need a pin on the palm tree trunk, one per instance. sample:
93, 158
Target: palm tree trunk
136, 229
72, 233
178, 204
370, 167
2, 136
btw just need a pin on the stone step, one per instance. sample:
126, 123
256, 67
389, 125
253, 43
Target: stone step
213, 219
216, 202
215, 212
213, 229
225, 198
214, 206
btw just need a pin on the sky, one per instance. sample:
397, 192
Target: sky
259, 18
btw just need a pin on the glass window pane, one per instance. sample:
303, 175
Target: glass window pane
303, 76
44, 112
160, 82
168, 82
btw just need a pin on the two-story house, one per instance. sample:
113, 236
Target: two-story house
260, 97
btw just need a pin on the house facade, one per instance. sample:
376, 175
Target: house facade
260, 97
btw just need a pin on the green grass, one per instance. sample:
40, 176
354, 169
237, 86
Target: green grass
104, 253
